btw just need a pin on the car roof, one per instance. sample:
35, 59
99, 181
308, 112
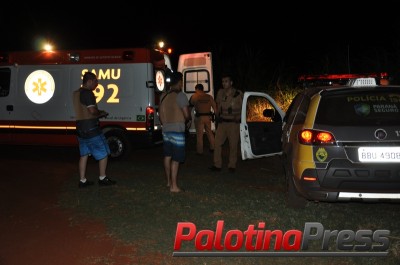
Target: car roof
328, 90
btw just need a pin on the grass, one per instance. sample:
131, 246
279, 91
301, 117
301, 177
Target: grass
141, 211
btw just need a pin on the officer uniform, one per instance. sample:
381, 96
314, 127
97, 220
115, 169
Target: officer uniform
202, 104
229, 104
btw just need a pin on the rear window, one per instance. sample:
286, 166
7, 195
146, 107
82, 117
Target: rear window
360, 108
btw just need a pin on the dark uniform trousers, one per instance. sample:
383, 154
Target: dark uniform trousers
230, 131
203, 123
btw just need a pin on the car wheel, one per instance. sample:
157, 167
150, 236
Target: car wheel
294, 200
119, 144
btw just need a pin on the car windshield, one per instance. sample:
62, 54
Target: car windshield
360, 108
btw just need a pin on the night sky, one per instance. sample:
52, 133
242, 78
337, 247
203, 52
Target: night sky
328, 37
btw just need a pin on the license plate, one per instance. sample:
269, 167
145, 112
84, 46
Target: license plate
379, 154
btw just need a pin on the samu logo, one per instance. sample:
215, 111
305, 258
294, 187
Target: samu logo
39, 86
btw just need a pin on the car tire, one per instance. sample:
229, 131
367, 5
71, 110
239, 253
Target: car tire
294, 200
119, 143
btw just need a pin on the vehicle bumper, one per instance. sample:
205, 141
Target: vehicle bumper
344, 181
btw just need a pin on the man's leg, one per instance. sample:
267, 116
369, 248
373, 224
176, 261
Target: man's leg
103, 166
233, 137
210, 134
167, 169
174, 176
199, 135
220, 137
82, 166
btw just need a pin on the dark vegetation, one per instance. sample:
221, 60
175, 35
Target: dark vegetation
268, 69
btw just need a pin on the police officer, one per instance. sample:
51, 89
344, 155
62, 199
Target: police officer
204, 107
229, 104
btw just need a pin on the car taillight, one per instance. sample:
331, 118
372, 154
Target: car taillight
149, 118
314, 137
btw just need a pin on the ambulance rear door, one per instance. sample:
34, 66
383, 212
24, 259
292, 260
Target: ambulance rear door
38, 111
196, 69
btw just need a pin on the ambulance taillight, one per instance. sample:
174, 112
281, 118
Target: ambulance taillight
149, 118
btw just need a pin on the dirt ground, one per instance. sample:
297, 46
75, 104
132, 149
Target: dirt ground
35, 230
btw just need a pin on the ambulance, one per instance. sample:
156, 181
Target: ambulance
36, 95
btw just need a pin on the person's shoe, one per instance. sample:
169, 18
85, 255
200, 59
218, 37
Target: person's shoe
107, 182
215, 169
85, 184
211, 151
232, 170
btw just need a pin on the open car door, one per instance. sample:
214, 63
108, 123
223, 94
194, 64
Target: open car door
261, 126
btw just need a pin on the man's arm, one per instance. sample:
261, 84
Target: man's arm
214, 106
240, 102
186, 113
96, 112
191, 103
88, 99
183, 103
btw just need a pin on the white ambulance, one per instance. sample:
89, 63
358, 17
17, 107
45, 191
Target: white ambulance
36, 95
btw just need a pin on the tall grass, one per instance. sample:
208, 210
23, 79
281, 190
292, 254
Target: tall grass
282, 96
142, 212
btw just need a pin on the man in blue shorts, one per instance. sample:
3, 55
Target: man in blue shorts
174, 113
90, 136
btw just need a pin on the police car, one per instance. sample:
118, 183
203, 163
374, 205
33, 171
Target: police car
338, 143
